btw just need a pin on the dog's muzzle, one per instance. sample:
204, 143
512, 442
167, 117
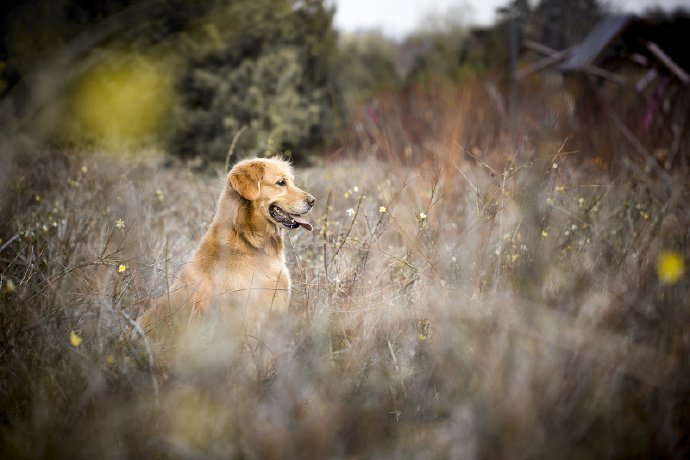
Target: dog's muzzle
288, 220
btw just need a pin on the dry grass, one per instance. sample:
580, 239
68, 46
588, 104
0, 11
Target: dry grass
481, 304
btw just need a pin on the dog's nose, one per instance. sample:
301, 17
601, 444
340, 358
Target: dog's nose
310, 201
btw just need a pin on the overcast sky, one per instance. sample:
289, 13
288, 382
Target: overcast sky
398, 17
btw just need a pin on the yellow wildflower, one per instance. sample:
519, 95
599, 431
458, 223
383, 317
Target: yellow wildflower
670, 267
382, 209
122, 268
9, 287
544, 233
119, 223
84, 169
74, 339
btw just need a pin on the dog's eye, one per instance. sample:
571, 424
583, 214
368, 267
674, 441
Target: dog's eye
281, 183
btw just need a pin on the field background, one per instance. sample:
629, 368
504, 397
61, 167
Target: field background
490, 274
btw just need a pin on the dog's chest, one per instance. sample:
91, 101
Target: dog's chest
262, 282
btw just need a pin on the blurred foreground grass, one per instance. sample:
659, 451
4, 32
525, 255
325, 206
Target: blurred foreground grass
453, 305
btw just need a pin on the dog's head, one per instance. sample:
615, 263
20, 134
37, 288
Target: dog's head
269, 185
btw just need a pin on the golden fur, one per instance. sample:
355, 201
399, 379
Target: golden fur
238, 272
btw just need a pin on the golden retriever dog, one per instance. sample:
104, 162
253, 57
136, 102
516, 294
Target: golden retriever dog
237, 275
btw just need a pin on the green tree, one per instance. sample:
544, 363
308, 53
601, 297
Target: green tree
560, 24
262, 66
437, 47
365, 66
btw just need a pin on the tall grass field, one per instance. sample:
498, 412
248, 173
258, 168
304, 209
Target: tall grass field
470, 290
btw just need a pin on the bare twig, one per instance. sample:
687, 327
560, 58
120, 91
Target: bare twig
352, 223
231, 150
8, 242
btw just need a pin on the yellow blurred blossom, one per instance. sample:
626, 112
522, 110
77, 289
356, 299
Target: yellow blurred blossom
422, 216
84, 169
74, 339
110, 360
544, 233
119, 223
644, 215
382, 209
581, 201
8, 288
122, 268
159, 194
124, 97
670, 267
37, 198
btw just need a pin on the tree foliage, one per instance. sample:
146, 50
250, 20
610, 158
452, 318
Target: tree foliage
261, 66
560, 24
270, 69
436, 49
365, 65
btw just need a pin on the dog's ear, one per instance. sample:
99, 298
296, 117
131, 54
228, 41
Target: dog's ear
246, 179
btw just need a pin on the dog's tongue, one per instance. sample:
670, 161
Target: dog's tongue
303, 222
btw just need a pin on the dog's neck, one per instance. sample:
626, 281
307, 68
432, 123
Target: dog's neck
239, 216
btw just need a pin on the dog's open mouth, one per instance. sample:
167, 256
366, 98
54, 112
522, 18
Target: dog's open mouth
287, 219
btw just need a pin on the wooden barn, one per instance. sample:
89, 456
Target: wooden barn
633, 73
